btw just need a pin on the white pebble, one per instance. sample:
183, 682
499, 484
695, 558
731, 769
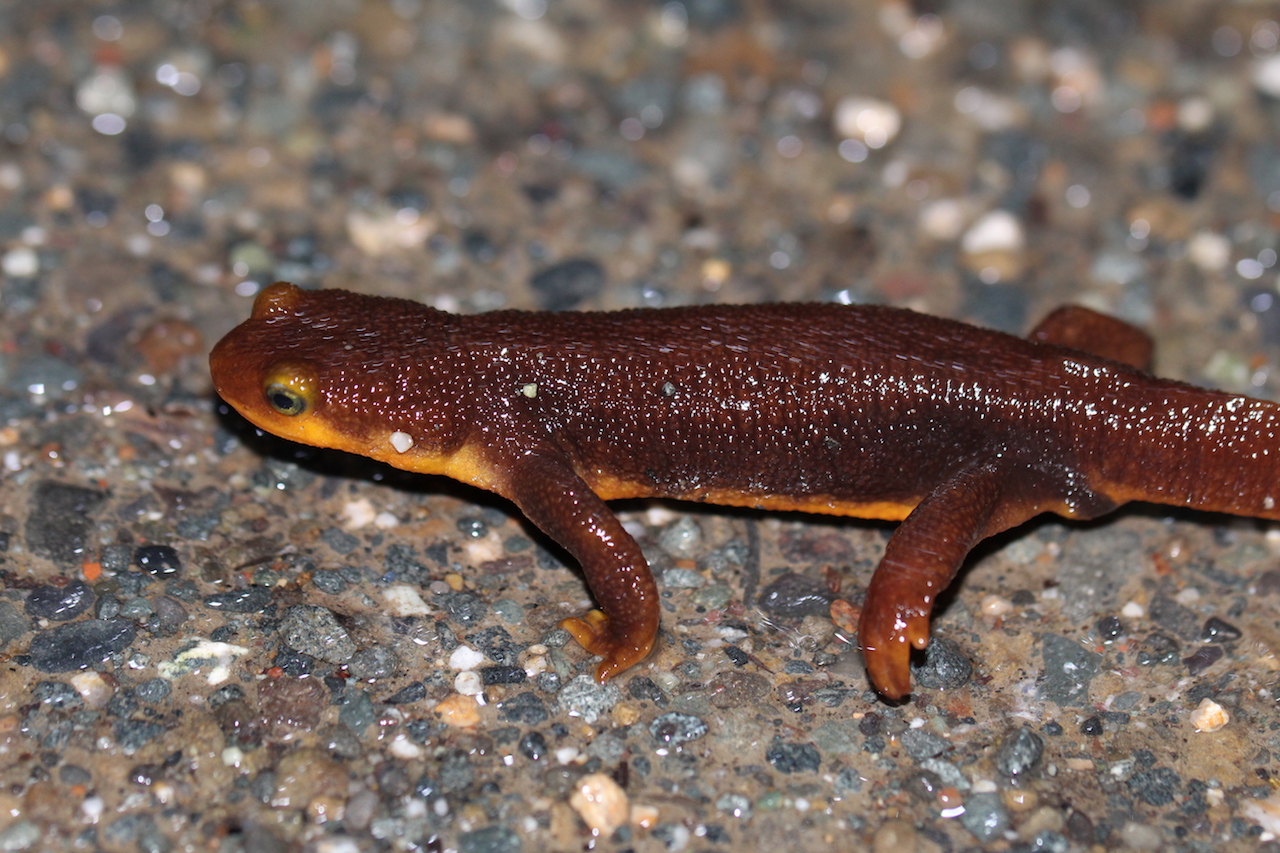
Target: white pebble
358, 513
943, 219
1209, 251
468, 683
404, 600
402, 747
1265, 813
1133, 610
995, 606
1195, 114
1209, 716
1266, 75
465, 658
22, 262
870, 120
401, 441
994, 231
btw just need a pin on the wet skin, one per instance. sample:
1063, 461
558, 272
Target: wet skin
956, 431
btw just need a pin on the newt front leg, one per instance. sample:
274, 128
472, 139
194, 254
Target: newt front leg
564, 507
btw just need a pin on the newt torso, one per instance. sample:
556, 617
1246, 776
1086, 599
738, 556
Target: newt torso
870, 412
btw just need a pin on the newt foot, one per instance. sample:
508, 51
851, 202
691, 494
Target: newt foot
887, 634
599, 635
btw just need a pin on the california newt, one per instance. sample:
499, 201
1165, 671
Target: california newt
873, 412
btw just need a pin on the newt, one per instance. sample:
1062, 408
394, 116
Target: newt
957, 432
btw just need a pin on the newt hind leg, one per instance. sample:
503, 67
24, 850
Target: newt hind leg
922, 557
1081, 328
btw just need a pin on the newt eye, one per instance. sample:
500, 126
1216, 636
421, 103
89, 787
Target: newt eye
285, 400
290, 389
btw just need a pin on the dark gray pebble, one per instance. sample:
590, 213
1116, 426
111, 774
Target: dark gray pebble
132, 735
329, 581
374, 662
985, 816
56, 694
314, 630
12, 623
792, 596
1219, 631
496, 644
675, 728
491, 839
1019, 753
340, 540
945, 667
793, 757
921, 744
251, 600
1155, 787
159, 561
1069, 668
525, 708
1110, 628
355, 710
60, 602
167, 616
79, 645
59, 522
567, 284
1202, 658
490, 675
533, 746
1091, 726
415, 691
153, 690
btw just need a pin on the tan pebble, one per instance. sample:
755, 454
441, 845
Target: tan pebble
625, 714
995, 606
1209, 716
306, 775
1020, 799
455, 581
459, 711
326, 808
644, 816
1043, 819
894, 836
601, 803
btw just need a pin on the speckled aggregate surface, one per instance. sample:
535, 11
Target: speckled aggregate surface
213, 640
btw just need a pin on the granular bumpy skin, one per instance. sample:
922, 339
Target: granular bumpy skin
871, 412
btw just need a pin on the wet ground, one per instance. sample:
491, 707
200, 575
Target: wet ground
214, 640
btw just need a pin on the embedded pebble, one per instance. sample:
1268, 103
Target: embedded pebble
601, 803
568, 284
793, 757
985, 816
945, 667
59, 603
1209, 716
793, 595
1019, 753
161, 561
586, 698
675, 729
868, 120
79, 645
253, 599
59, 520
315, 631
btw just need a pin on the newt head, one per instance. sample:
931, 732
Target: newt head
329, 369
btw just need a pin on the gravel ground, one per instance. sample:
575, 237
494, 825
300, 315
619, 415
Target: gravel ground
214, 640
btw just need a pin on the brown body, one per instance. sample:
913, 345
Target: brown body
859, 411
